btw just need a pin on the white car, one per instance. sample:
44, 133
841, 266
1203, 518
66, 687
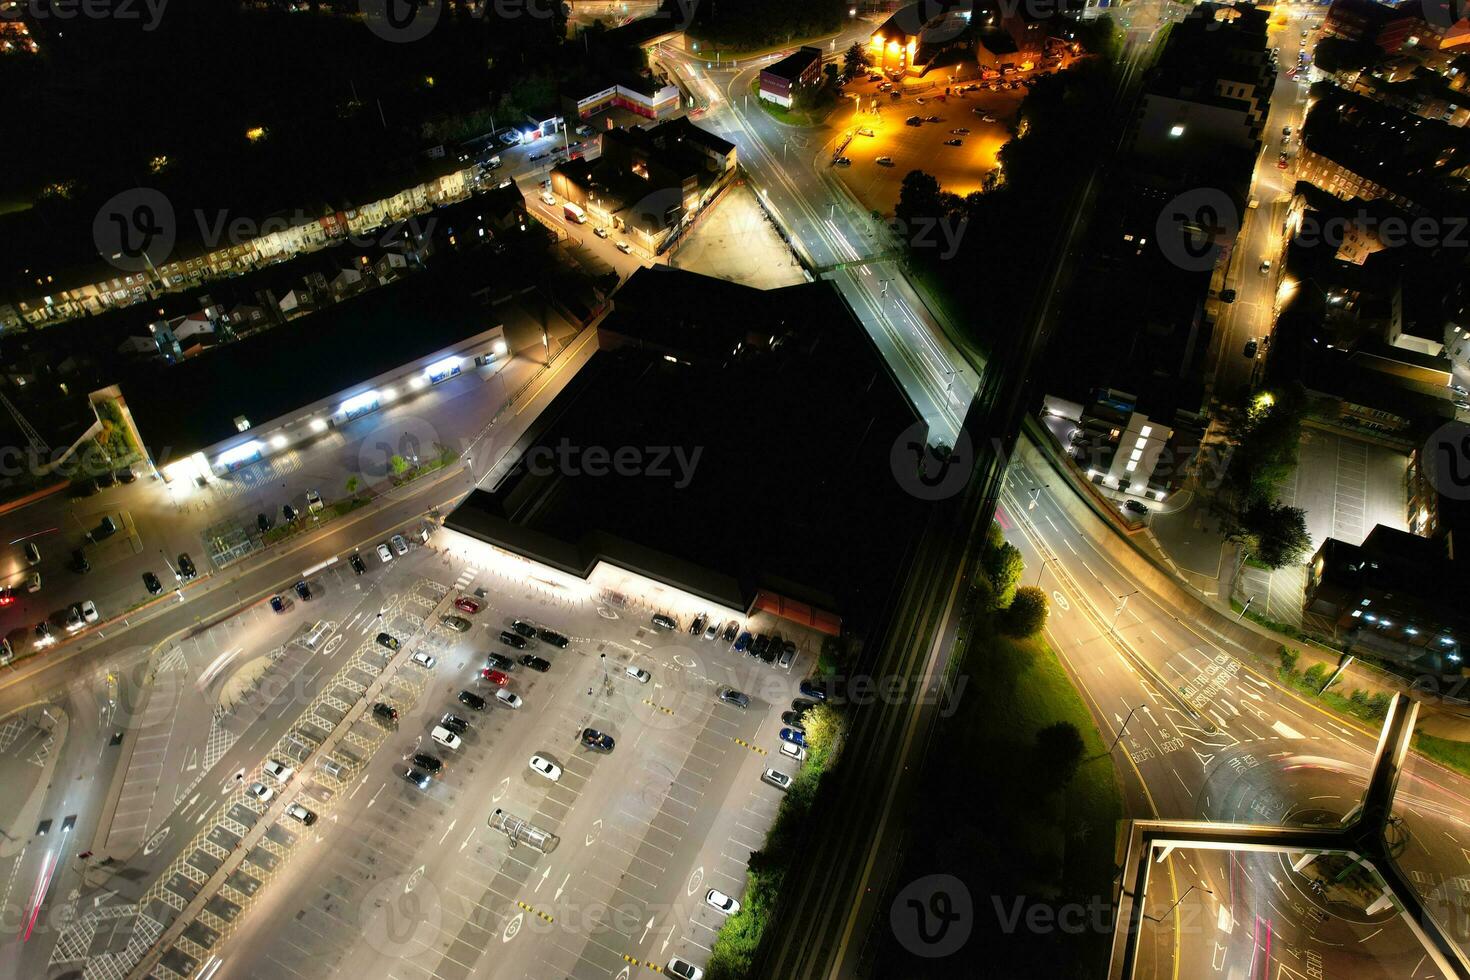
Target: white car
400, 546
546, 767
384, 554
638, 674
625, 248
776, 778
712, 631
261, 792
683, 969
548, 199
89, 611
793, 751
424, 660
278, 771
298, 812
313, 501
446, 738
74, 620
507, 698
721, 902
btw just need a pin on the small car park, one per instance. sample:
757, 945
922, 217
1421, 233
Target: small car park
545, 767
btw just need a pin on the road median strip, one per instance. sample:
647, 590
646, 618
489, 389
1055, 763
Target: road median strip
753, 748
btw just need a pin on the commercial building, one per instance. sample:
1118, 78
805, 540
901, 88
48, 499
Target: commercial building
1120, 447
1397, 596
783, 81
637, 95
649, 183
752, 494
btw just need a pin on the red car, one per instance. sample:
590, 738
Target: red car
467, 604
495, 677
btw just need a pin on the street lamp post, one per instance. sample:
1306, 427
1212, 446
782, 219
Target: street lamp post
1122, 604
1124, 727
1244, 608
1160, 916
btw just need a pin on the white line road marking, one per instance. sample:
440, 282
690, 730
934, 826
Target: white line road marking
1284, 730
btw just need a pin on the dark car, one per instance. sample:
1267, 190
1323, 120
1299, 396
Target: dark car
696, 627
357, 564
931, 119
84, 488
792, 718
105, 529
793, 735
760, 646
186, 567
913, 121
731, 696
388, 640
262, 523
472, 700
498, 662
278, 603
535, 663
665, 622
954, 142
455, 724
1135, 507
552, 636
1250, 349
528, 630
105, 480
513, 639
428, 763
802, 705
79, 563
417, 777
742, 644
385, 712
600, 741
731, 629
303, 590
812, 690
152, 584
288, 512
125, 475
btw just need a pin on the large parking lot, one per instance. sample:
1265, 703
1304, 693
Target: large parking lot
959, 169
396, 880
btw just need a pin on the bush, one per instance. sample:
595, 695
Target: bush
1059, 750
1005, 566
1316, 675
1289, 657
1359, 698
1378, 704
1027, 613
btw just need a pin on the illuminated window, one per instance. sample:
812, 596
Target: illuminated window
1146, 431
1131, 467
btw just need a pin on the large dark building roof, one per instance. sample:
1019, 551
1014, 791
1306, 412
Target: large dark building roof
787, 481
183, 408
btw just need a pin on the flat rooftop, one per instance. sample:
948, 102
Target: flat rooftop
768, 470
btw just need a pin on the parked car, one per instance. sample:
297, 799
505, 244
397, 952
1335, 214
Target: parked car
962, 131
793, 735
743, 644
553, 637
400, 545
513, 639
125, 475
278, 771
1265, 267
683, 970
528, 630
811, 689
385, 712
314, 501
454, 723
547, 768
261, 792
731, 696
33, 553
289, 513
884, 161
731, 629
913, 121
776, 778
495, 677
152, 584
384, 555
278, 603
534, 662
457, 623
499, 661
792, 718
388, 640
79, 563
430, 764
1135, 507
74, 619
89, 612
465, 604
186, 567
417, 777
1250, 349
697, 627
355, 560
638, 674
303, 590
721, 902
793, 751
788, 654
932, 119
665, 622
298, 812
445, 737
600, 741
33, 582
954, 142
507, 698
625, 248
424, 660
471, 700
600, 232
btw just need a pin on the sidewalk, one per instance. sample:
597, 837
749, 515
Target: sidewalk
29, 738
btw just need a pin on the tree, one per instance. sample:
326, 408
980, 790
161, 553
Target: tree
1059, 749
354, 484
1276, 534
398, 465
854, 61
830, 73
1026, 615
1004, 566
825, 727
918, 197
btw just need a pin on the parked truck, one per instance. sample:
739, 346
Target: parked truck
574, 213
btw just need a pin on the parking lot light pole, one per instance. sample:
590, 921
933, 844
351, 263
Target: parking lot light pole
1122, 604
